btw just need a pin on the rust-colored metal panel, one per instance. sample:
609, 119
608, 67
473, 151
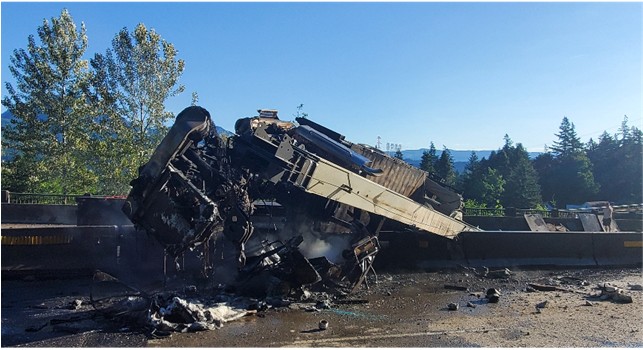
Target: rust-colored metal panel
398, 175
410, 181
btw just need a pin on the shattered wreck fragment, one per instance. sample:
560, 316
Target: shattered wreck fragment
197, 190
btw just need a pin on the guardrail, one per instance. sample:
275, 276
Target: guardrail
41, 198
514, 212
37, 198
483, 211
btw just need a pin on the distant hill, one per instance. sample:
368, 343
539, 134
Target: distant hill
6, 118
458, 156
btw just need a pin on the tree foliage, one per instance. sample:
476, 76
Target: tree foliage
50, 134
444, 167
429, 158
131, 83
141, 72
493, 188
568, 142
566, 174
617, 164
506, 179
79, 128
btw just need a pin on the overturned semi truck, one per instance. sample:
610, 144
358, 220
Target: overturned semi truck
199, 187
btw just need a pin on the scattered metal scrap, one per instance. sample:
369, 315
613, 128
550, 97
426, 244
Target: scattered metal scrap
484, 272
612, 292
550, 288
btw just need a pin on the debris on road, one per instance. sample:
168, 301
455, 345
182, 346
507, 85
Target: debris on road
486, 273
612, 292
542, 304
635, 286
453, 306
493, 295
75, 304
504, 273
549, 288
454, 287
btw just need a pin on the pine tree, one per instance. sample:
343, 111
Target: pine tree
51, 132
617, 165
522, 189
444, 167
512, 163
566, 173
471, 180
429, 159
544, 164
568, 141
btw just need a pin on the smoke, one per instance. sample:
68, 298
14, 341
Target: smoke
316, 244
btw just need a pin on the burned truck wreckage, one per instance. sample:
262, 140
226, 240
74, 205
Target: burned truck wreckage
197, 192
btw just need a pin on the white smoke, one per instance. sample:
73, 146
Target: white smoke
316, 244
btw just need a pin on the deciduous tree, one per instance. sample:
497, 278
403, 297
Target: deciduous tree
50, 134
132, 82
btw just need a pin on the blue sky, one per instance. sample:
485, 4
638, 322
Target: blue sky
459, 74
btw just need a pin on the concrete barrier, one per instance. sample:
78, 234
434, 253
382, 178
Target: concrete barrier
630, 225
101, 211
618, 248
520, 248
38, 214
80, 250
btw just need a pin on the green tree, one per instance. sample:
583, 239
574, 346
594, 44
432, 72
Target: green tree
398, 154
132, 81
522, 189
466, 180
429, 159
444, 167
575, 182
568, 141
471, 180
493, 187
50, 134
617, 164
545, 165
572, 170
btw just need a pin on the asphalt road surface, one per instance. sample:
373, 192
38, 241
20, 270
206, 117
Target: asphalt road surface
403, 309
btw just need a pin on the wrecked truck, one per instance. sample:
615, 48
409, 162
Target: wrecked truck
198, 191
